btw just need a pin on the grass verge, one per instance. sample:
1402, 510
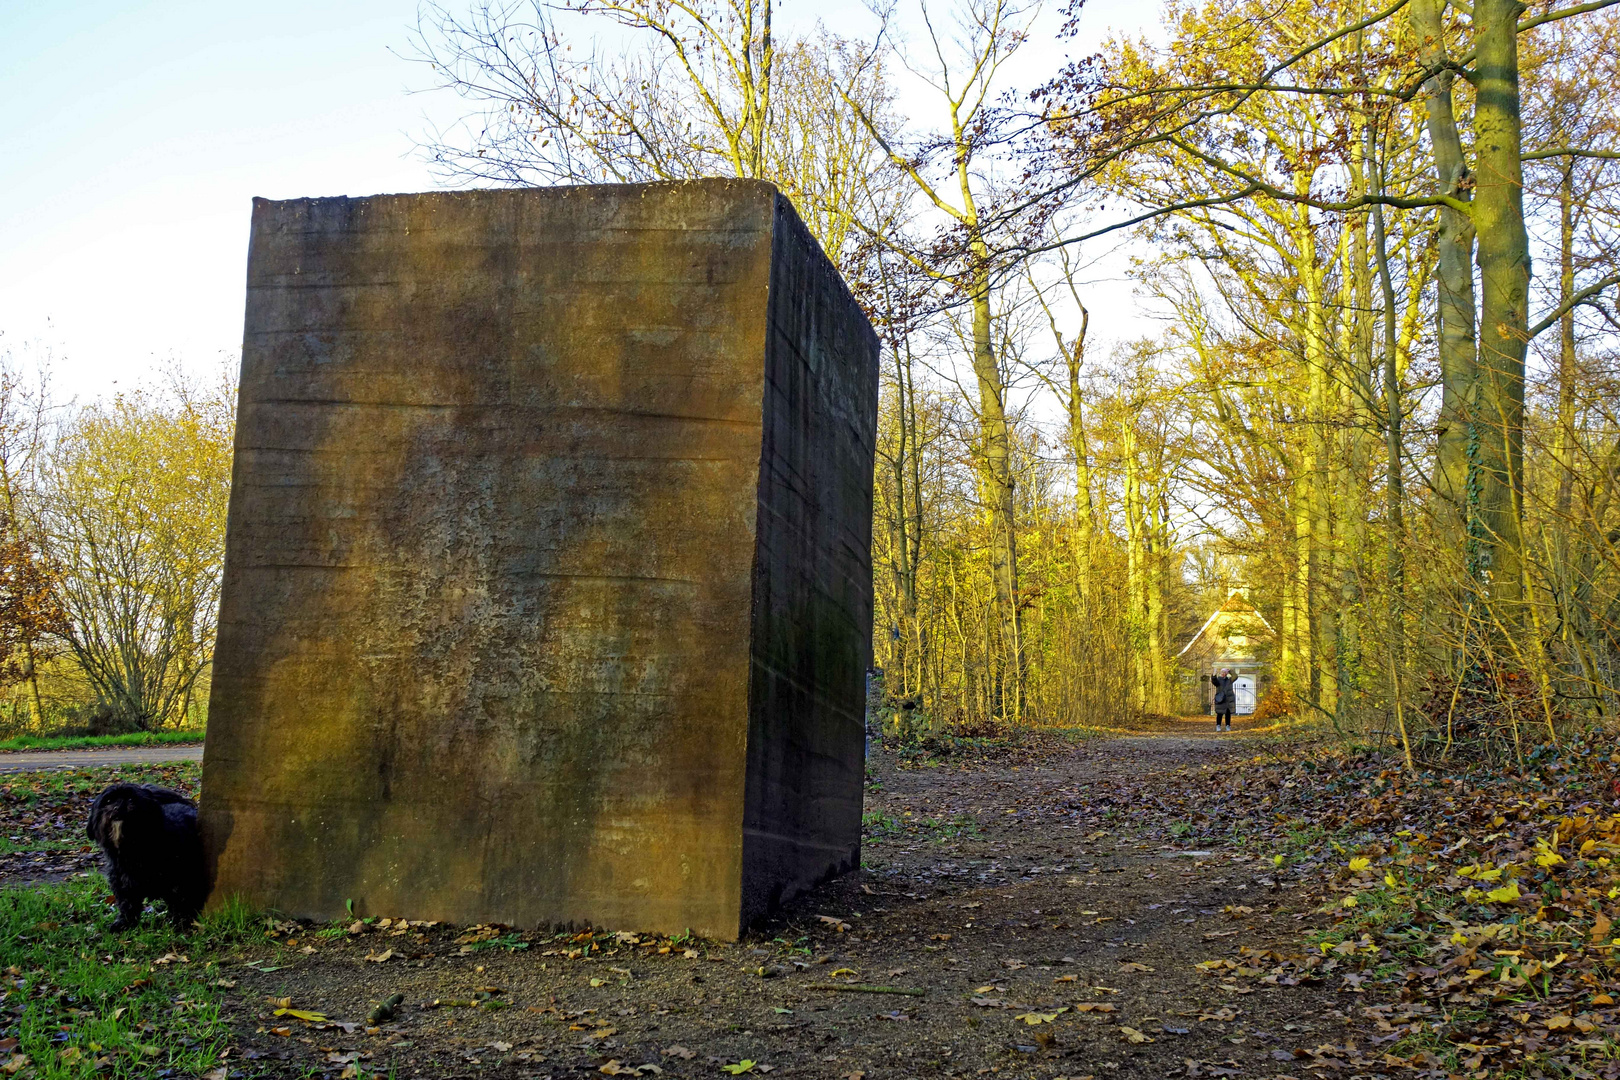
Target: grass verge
77, 1001
80, 742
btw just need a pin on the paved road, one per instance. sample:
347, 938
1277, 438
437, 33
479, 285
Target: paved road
36, 760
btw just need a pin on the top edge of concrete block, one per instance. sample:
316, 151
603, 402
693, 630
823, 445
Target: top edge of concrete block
275, 213
755, 188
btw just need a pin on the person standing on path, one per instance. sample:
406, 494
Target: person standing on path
1223, 699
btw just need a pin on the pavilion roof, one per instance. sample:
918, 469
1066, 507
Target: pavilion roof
1235, 603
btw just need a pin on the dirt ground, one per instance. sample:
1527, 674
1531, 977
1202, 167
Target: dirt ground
1028, 903
1030, 914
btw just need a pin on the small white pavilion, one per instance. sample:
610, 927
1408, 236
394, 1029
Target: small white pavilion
1235, 636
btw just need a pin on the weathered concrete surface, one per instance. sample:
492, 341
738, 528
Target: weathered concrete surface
548, 589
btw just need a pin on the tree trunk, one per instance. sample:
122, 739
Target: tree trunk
997, 487
1085, 526
1355, 391
905, 569
1394, 486
1504, 272
1565, 447
1314, 512
1135, 564
1458, 347
1158, 544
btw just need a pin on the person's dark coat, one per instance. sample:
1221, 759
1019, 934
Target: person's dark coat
1224, 698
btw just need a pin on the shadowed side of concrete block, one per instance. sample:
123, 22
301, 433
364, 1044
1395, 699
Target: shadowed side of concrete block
489, 640
812, 625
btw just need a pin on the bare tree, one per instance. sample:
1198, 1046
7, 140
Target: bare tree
701, 88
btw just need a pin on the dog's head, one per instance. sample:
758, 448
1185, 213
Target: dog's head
117, 807
106, 823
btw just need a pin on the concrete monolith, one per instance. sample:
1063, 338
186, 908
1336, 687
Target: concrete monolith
548, 590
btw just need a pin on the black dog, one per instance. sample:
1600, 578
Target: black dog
149, 835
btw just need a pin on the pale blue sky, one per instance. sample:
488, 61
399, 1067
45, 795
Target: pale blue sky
134, 135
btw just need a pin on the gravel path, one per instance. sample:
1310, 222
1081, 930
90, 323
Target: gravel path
37, 760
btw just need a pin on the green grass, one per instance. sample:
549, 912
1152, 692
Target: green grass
80, 742
83, 1002
65, 784
878, 827
12, 847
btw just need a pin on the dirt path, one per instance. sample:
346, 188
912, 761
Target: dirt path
37, 760
1031, 901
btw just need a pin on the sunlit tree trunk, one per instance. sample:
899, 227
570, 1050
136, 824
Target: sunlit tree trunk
1504, 274
1135, 562
1354, 392
1394, 487
998, 487
901, 520
1565, 444
1459, 363
1085, 525
1312, 492
1158, 538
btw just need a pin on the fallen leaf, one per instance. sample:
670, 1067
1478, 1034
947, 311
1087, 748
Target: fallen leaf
302, 1014
679, 1052
1033, 1018
1505, 895
1131, 1035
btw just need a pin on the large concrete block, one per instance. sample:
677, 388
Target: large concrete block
548, 590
